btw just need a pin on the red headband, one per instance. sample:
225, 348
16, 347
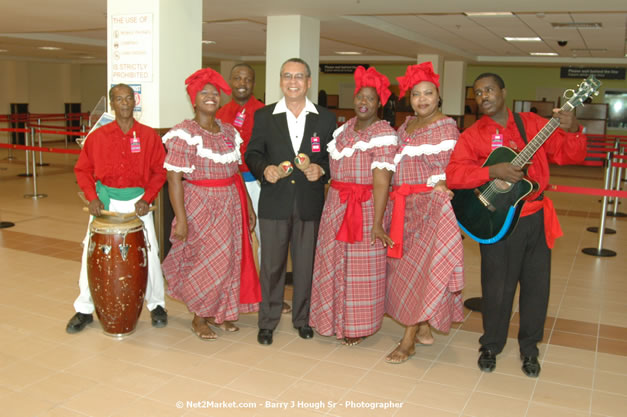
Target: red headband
416, 74
372, 78
201, 78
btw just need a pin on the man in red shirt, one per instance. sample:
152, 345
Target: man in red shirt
525, 255
121, 169
240, 113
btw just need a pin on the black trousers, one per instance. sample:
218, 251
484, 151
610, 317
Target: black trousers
276, 237
523, 257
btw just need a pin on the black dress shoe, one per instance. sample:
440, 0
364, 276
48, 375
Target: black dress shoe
530, 366
487, 360
159, 317
305, 332
78, 322
264, 337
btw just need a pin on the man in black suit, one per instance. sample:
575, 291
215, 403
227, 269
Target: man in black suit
289, 208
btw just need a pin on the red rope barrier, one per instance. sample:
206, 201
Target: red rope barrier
62, 132
40, 149
586, 191
15, 130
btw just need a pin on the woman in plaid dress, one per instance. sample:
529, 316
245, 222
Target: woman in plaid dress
213, 215
348, 289
425, 266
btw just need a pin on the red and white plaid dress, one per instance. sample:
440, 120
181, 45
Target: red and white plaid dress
426, 283
202, 271
348, 289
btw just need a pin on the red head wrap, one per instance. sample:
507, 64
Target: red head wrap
372, 78
201, 78
416, 74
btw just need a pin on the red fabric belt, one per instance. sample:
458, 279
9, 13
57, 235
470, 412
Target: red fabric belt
398, 195
353, 195
250, 290
552, 228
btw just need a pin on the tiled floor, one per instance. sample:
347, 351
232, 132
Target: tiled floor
46, 372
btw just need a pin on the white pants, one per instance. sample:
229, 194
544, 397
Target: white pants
254, 189
154, 290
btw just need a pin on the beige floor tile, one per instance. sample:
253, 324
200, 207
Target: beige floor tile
610, 382
61, 357
609, 404
519, 387
99, 368
59, 387
461, 356
453, 375
183, 389
488, 405
21, 374
611, 363
438, 396
21, 404
138, 380
306, 395
96, 402
562, 396
465, 339
355, 356
415, 367
146, 407
412, 410
60, 412
334, 374
244, 354
215, 371
240, 404
287, 363
567, 375
570, 356
262, 383
542, 410
385, 385
316, 348
173, 361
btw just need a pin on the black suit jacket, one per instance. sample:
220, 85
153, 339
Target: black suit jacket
270, 144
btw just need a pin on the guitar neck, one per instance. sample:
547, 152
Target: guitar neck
530, 149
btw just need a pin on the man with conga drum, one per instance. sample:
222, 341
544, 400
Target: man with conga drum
120, 169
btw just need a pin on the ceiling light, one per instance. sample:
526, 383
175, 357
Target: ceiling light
589, 50
6, 50
543, 53
208, 42
49, 48
473, 14
575, 25
348, 53
522, 39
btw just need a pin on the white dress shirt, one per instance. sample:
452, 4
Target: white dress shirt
295, 125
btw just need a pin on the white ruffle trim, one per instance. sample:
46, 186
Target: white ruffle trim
339, 130
426, 149
233, 156
383, 165
178, 169
375, 142
434, 179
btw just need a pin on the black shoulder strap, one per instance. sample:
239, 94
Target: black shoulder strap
521, 126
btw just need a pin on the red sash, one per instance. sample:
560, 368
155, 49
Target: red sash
353, 195
398, 195
552, 228
250, 290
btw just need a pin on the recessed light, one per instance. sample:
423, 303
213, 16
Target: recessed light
4, 50
208, 42
49, 48
471, 14
588, 50
543, 53
522, 39
348, 53
576, 25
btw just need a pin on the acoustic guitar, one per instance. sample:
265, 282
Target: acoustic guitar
490, 212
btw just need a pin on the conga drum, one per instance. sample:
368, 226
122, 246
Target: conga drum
117, 270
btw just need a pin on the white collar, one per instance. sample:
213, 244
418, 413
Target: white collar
281, 107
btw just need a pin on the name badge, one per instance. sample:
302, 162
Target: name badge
239, 118
135, 145
315, 143
497, 141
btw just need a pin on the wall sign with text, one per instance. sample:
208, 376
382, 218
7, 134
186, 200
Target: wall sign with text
600, 73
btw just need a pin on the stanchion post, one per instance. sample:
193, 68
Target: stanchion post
27, 155
618, 184
35, 195
41, 160
599, 251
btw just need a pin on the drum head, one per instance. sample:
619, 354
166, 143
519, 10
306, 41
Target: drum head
115, 225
